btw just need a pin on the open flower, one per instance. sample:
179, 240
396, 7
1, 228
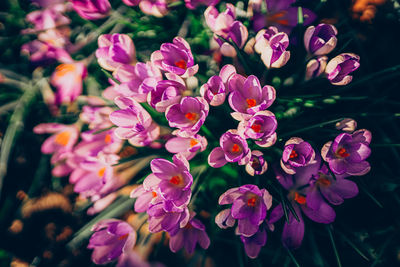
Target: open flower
257, 164
63, 139
261, 126
115, 50
189, 235
145, 196
134, 122
347, 154
91, 9
175, 57
186, 146
111, 238
216, 89
297, 153
233, 148
339, 68
188, 115
247, 97
249, 207
320, 40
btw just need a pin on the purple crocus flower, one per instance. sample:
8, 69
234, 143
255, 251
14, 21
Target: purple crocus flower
297, 186
188, 115
167, 92
346, 125
193, 4
274, 54
188, 236
247, 97
249, 207
261, 126
115, 50
63, 137
175, 57
186, 146
137, 81
254, 243
297, 153
262, 38
134, 122
42, 53
157, 8
320, 40
111, 239
48, 18
257, 164
164, 216
238, 34
334, 190
347, 154
145, 196
91, 9
315, 67
339, 68
172, 178
233, 148
216, 89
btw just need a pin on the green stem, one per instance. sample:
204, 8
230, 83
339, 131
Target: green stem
328, 227
310, 127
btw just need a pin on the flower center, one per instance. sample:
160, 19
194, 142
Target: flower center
191, 116
251, 102
64, 69
154, 194
256, 164
176, 180
342, 152
235, 148
256, 127
107, 138
122, 237
251, 202
62, 138
299, 198
193, 142
181, 64
293, 154
101, 172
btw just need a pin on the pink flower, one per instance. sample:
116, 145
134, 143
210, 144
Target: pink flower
63, 139
91, 9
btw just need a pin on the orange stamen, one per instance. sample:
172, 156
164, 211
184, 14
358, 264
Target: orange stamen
181, 64
122, 237
191, 116
154, 194
101, 172
256, 127
324, 182
299, 198
342, 153
64, 69
251, 202
62, 138
107, 138
251, 102
193, 142
293, 154
235, 148
175, 180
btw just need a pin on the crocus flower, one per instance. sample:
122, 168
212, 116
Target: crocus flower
92, 9
188, 236
297, 186
262, 38
339, 68
146, 195
254, 243
67, 78
320, 40
173, 179
175, 57
167, 92
111, 238
274, 54
249, 207
48, 18
63, 139
115, 50
170, 219
238, 34
347, 154
261, 126
92, 143
297, 153
346, 125
188, 115
186, 146
216, 89
157, 8
247, 97
220, 23
193, 4
43, 53
257, 164
233, 148
134, 122
315, 67
96, 117
334, 190
137, 81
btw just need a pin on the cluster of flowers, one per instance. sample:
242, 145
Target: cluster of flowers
161, 85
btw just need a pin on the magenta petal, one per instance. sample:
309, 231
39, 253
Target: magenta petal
216, 159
